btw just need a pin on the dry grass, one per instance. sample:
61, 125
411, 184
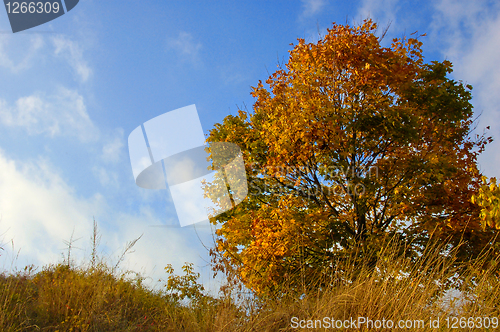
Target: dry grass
397, 289
96, 298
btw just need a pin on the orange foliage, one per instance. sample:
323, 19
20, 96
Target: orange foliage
350, 142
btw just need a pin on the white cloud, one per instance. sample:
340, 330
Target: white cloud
72, 52
231, 74
311, 7
112, 152
30, 47
454, 23
17, 53
185, 46
466, 32
106, 177
381, 11
63, 113
39, 210
158, 247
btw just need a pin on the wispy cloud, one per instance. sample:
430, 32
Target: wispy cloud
72, 52
112, 153
33, 46
466, 32
381, 11
311, 7
19, 62
455, 22
186, 47
61, 114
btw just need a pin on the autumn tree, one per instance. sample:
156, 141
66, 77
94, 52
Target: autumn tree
349, 143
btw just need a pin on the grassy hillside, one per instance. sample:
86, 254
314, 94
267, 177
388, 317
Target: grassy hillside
94, 297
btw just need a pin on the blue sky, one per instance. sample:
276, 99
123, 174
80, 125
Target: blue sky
73, 89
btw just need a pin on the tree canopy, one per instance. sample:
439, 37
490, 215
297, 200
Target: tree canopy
350, 143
